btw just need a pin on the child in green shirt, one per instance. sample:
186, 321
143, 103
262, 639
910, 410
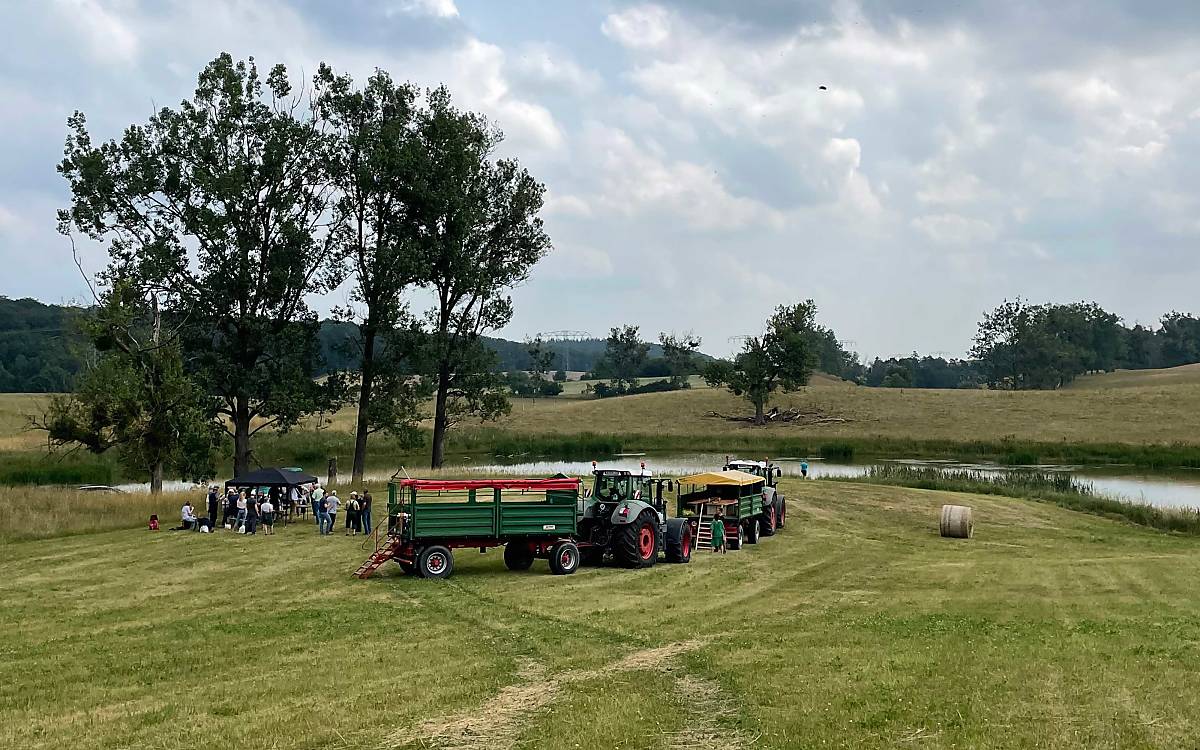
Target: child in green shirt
718, 534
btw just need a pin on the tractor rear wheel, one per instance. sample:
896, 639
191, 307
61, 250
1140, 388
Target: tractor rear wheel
767, 521
734, 541
679, 541
752, 531
517, 556
635, 545
435, 561
564, 558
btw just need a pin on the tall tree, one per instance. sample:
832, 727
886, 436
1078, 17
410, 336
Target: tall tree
541, 357
370, 160
782, 358
135, 398
225, 203
680, 352
624, 354
477, 234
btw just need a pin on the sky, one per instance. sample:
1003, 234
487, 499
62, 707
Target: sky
907, 165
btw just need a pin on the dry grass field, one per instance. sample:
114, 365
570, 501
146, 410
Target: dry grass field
856, 627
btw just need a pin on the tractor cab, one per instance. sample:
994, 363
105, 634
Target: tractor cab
765, 469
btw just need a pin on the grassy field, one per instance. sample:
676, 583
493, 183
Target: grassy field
1182, 375
1147, 418
856, 627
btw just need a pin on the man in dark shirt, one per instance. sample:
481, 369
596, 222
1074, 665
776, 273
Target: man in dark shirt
364, 504
212, 505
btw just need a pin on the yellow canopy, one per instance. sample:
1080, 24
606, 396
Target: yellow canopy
728, 478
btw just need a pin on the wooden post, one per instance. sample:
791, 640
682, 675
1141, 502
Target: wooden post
332, 472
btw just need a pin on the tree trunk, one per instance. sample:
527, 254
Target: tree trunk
364, 398
759, 417
241, 436
440, 420
156, 477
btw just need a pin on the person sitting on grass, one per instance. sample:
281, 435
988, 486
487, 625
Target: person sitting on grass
718, 534
187, 515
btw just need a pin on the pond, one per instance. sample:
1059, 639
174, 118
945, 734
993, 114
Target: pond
1167, 489
1175, 489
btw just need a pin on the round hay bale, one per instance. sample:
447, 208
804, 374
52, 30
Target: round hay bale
957, 522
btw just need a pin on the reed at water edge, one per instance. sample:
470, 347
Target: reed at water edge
1044, 486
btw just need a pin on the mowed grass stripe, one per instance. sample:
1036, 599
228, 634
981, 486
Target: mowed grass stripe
856, 626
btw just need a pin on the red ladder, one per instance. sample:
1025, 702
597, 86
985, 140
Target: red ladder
381, 555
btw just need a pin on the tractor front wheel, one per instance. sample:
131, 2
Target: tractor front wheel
518, 556
752, 531
679, 541
635, 545
782, 514
564, 558
435, 561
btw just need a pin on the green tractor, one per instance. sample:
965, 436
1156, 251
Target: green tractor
624, 517
774, 504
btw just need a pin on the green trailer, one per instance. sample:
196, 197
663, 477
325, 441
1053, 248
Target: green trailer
428, 519
736, 495
774, 503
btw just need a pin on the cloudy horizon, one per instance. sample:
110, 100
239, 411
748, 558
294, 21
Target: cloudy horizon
907, 167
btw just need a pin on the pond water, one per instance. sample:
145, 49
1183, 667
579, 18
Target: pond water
1177, 489
1167, 489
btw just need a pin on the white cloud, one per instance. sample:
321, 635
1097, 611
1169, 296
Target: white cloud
109, 38
547, 65
434, 8
636, 181
953, 229
576, 261
644, 26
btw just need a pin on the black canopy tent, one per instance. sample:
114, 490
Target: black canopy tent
283, 479
272, 478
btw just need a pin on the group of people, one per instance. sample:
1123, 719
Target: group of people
325, 507
248, 509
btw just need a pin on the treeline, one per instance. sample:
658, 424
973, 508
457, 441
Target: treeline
1022, 346
39, 349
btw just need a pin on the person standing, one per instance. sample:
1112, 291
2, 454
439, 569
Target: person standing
230, 507
333, 502
240, 523
323, 522
267, 509
212, 507
252, 514
804, 469
318, 499
364, 504
718, 534
352, 511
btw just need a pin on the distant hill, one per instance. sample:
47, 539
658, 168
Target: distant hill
39, 352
